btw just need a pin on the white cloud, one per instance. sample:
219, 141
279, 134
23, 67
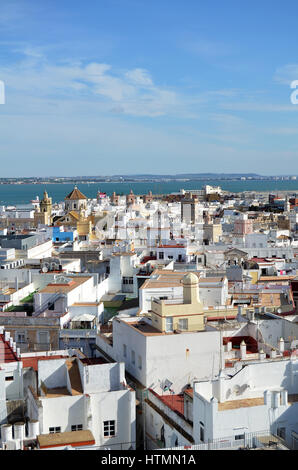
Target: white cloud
131, 92
286, 74
139, 77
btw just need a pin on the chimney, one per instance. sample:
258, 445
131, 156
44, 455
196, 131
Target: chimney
273, 353
281, 345
267, 397
243, 350
284, 397
262, 355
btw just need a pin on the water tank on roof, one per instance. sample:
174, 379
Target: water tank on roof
33, 428
19, 431
6, 432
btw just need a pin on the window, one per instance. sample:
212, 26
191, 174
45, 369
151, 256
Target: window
169, 324
133, 357
239, 437
77, 427
202, 432
21, 337
140, 362
183, 324
281, 432
109, 428
127, 280
124, 350
43, 337
170, 257
54, 430
160, 256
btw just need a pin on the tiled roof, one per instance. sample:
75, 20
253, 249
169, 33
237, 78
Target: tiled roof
174, 402
75, 195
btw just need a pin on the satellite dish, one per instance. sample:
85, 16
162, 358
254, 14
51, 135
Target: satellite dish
45, 269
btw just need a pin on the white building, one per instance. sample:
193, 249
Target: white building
153, 358
74, 395
261, 396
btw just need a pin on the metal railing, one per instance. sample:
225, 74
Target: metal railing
259, 439
46, 304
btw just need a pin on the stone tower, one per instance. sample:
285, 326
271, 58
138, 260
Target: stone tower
43, 214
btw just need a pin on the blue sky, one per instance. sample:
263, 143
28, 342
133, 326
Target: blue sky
107, 87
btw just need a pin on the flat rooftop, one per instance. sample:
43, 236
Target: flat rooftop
166, 278
74, 282
245, 403
74, 438
55, 392
32, 361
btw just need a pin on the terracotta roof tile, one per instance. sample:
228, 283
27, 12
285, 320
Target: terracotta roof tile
75, 194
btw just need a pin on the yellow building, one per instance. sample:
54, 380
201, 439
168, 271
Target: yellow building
212, 232
43, 214
175, 315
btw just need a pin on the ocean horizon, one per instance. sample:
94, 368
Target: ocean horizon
22, 194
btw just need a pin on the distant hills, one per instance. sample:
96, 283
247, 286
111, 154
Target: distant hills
195, 175
144, 177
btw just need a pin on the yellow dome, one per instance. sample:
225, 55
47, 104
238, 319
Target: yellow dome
190, 279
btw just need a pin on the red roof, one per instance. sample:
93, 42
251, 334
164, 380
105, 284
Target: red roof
147, 258
259, 260
251, 343
174, 402
6, 352
32, 361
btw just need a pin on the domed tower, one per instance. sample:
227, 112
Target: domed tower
75, 201
190, 289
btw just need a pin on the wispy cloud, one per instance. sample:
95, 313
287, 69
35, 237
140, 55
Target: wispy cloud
131, 92
286, 74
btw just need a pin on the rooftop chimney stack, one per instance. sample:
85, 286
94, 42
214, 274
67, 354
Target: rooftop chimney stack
273, 353
243, 350
281, 345
262, 355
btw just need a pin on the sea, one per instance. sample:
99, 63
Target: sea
20, 195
